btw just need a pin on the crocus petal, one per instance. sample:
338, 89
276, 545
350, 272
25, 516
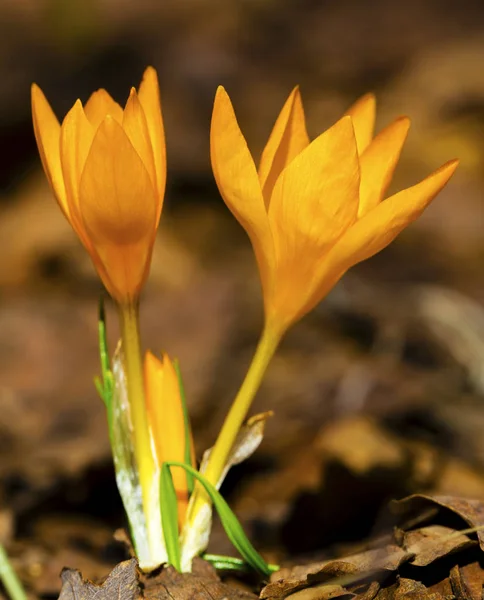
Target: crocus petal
136, 128
380, 227
165, 413
314, 202
75, 142
363, 113
47, 134
238, 182
99, 105
378, 162
118, 206
149, 96
315, 198
288, 138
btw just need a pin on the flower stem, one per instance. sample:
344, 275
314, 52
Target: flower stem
235, 418
129, 322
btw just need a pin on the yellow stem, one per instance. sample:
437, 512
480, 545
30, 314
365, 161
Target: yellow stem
133, 362
236, 416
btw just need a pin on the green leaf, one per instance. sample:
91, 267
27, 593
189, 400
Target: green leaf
232, 527
231, 563
9, 578
98, 384
105, 384
169, 516
188, 434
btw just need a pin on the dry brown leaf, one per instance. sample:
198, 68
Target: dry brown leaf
322, 592
432, 542
122, 583
287, 581
202, 584
470, 511
408, 589
467, 581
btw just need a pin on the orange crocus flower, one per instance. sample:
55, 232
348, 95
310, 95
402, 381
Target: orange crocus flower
107, 169
314, 209
164, 406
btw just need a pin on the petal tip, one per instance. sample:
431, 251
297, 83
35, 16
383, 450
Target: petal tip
222, 98
370, 99
451, 166
36, 94
402, 124
150, 71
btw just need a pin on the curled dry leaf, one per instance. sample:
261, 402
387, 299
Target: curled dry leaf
471, 511
431, 543
402, 571
341, 571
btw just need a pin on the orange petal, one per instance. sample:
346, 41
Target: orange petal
380, 226
75, 141
315, 200
149, 96
118, 206
165, 414
238, 182
288, 138
101, 104
363, 113
136, 128
47, 134
378, 162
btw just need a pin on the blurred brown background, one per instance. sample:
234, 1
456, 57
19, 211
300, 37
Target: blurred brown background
377, 393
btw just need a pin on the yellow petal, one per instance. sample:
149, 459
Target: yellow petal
238, 182
136, 128
380, 227
118, 206
363, 113
315, 200
165, 414
288, 138
149, 96
99, 105
378, 162
47, 134
75, 141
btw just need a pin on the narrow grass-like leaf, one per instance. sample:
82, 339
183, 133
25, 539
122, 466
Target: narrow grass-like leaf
229, 521
231, 563
9, 578
188, 433
105, 383
103, 344
98, 384
169, 516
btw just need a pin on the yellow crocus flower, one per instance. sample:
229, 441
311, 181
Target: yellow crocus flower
107, 169
164, 406
314, 209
